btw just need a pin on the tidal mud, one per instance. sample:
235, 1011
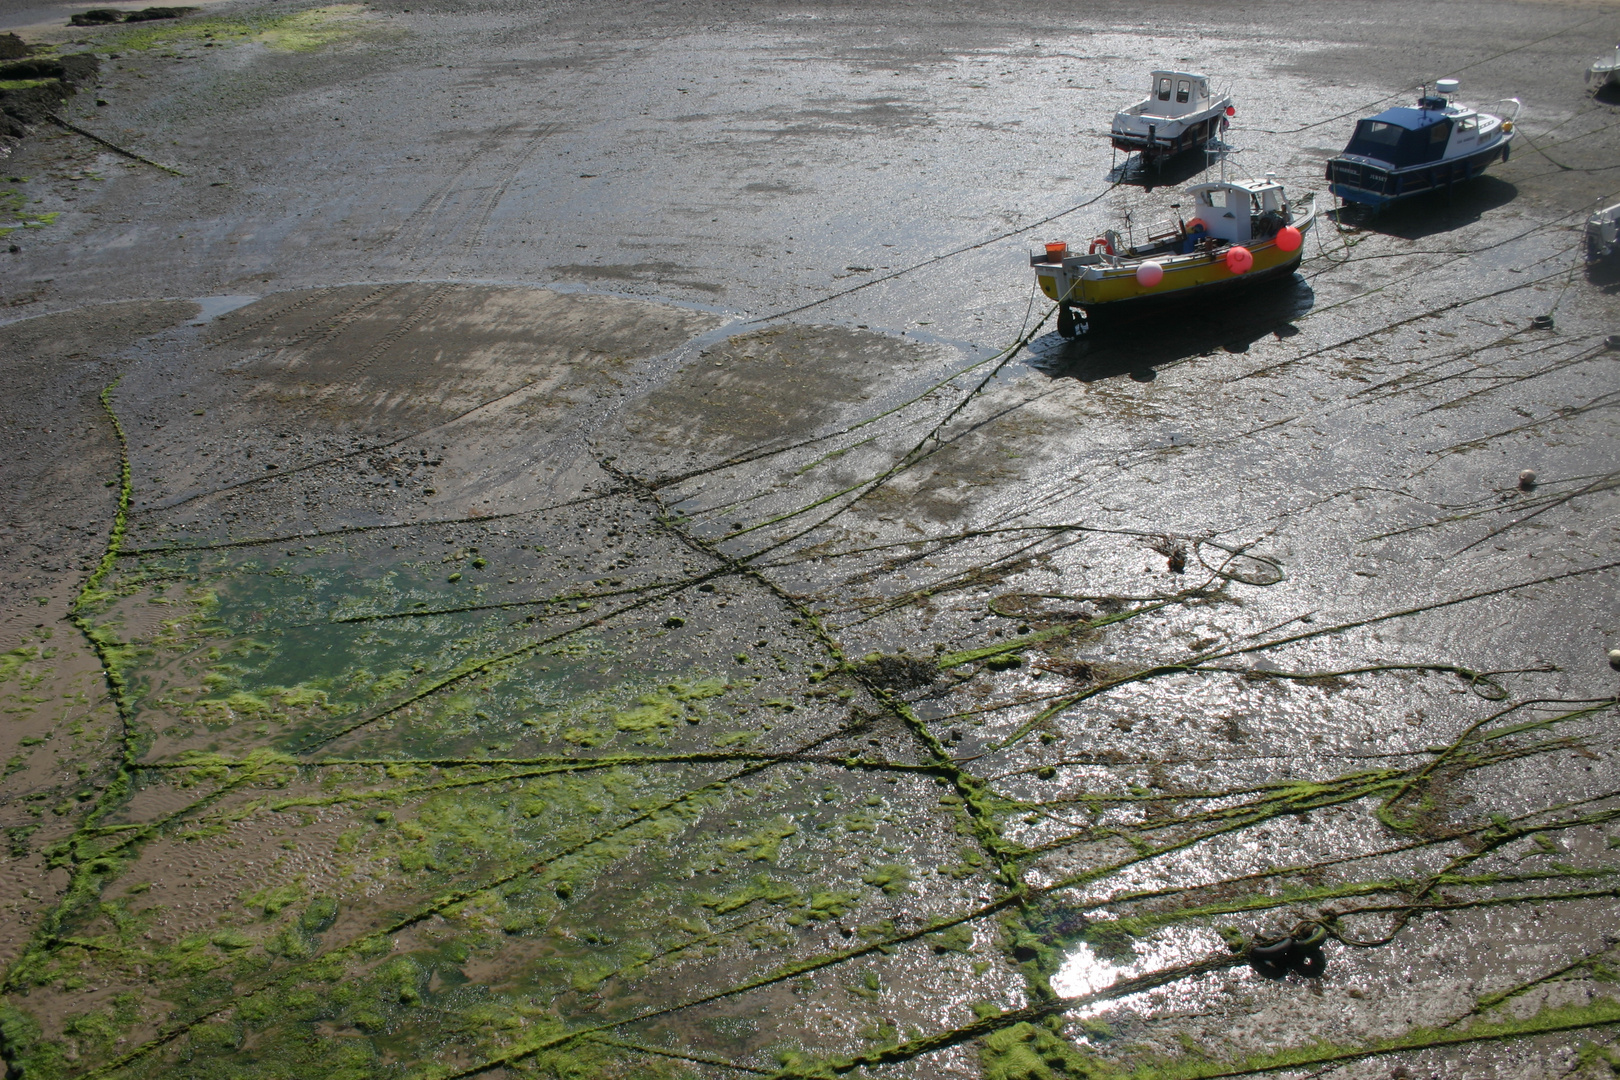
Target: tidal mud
459, 643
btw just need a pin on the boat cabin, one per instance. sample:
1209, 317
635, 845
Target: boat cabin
1403, 137
1176, 93
1433, 130
1239, 211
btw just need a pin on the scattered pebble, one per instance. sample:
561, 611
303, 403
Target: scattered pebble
1527, 480
1614, 659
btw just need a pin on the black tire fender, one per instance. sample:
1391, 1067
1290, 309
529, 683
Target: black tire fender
1271, 960
1312, 938
1308, 963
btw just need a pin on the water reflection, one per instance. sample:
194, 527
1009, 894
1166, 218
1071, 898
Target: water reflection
1085, 972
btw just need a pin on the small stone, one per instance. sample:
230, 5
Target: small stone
1614, 659
1527, 480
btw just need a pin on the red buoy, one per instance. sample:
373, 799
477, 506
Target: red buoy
1239, 260
1288, 238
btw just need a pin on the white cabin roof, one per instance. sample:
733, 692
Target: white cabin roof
1247, 186
1196, 76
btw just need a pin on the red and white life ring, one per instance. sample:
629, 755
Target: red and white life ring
1104, 243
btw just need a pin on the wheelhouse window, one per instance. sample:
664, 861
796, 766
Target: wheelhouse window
1164, 89
1183, 91
1467, 128
1378, 133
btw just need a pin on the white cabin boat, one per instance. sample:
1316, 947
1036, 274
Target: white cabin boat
1605, 69
1179, 113
1603, 234
1403, 152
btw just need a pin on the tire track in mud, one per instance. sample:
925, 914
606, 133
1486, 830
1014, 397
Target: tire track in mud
340, 322
329, 329
476, 236
278, 313
427, 307
420, 226
416, 223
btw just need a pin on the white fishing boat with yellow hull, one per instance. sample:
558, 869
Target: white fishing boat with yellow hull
1242, 232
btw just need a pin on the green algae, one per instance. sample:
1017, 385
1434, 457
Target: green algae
302, 31
891, 878
761, 889
765, 843
14, 212
1032, 1052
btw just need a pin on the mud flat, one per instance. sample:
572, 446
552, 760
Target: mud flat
508, 578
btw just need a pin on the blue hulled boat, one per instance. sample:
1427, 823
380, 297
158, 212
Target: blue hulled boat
1408, 151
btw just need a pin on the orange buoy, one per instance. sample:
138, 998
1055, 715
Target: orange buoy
1239, 260
1289, 238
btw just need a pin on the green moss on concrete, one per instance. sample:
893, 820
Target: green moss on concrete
1032, 1052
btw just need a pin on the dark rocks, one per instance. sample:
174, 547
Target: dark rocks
103, 16
96, 17
12, 47
73, 68
148, 14
31, 106
23, 109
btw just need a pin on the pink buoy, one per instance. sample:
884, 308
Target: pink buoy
1231, 111
1239, 260
1149, 274
1288, 238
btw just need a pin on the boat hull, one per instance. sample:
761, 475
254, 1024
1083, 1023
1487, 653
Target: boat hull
1370, 182
1194, 137
1103, 292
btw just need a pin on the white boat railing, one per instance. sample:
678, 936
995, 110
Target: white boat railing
1515, 102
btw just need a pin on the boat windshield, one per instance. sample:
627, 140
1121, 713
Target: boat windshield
1379, 133
1400, 145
